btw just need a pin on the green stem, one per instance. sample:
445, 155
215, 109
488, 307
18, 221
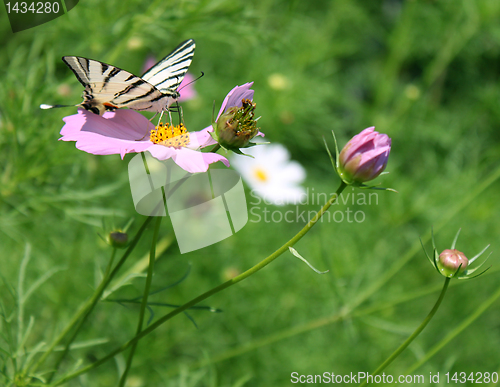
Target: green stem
454, 333
215, 148
84, 318
211, 292
89, 305
407, 342
147, 287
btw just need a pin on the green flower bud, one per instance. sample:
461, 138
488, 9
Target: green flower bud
452, 262
118, 239
237, 126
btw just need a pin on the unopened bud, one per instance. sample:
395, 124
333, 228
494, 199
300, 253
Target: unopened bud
452, 262
364, 157
237, 126
118, 239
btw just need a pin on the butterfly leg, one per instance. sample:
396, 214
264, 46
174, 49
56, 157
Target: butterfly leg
170, 117
161, 116
179, 110
152, 118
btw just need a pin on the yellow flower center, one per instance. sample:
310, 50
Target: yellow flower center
260, 174
169, 135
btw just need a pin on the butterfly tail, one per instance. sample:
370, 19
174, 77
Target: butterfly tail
45, 106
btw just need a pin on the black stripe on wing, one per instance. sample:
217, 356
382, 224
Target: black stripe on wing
168, 73
139, 97
79, 66
107, 86
134, 85
111, 74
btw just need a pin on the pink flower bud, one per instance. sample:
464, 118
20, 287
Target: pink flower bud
449, 262
364, 157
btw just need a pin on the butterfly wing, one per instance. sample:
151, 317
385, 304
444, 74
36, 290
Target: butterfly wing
168, 73
108, 87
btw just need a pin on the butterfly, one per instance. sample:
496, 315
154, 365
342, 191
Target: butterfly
108, 87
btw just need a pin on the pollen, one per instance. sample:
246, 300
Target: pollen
169, 135
260, 174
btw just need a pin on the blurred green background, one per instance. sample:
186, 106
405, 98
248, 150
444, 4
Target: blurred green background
424, 72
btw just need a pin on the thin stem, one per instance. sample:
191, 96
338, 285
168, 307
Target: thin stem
89, 304
144, 303
211, 292
215, 148
454, 333
21, 297
407, 342
296, 330
94, 300
417, 247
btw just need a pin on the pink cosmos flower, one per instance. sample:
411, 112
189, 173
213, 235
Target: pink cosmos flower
127, 131
364, 157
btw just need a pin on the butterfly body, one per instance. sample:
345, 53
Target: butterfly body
108, 87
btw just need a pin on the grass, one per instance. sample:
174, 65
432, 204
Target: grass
425, 73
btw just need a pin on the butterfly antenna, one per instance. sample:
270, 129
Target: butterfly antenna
193, 81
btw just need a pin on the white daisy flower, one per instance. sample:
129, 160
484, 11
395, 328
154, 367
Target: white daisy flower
271, 174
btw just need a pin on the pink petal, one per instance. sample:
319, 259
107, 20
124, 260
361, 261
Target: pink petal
120, 132
204, 138
190, 160
193, 161
361, 142
234, 97
365, 155
123, 131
